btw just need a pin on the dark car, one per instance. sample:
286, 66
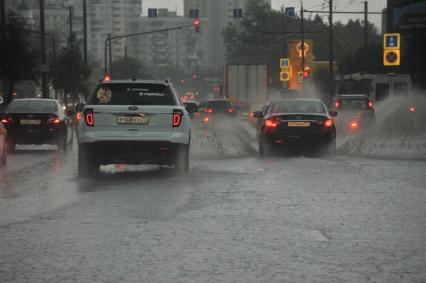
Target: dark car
356, 112
297, 123
215, 106
37, 121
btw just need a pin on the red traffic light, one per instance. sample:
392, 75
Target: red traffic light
305, 74
306, 71
197, 25
182, 82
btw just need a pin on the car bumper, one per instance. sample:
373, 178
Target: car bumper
34, 136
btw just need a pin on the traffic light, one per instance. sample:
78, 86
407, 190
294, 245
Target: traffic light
182, 82
107, 78
306, 71
197, 25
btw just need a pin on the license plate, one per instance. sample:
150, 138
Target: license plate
299, 124
30, 122
133, 120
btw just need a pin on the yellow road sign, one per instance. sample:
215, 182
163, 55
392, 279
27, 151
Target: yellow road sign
391, 58
284, 76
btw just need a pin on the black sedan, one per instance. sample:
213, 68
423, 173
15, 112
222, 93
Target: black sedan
297, 123
37, 121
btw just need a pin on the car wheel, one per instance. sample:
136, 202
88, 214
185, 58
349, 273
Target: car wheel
87, 165
265, 149
11, 146
182, 159
3, 160
62, 142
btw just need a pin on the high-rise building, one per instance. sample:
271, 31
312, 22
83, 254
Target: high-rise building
215, 16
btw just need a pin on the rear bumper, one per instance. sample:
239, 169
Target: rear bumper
301, 140
133, 152
48, 135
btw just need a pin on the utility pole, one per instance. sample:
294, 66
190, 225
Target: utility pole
70, 23
44, 68
110, 54
331, 53
85, 31
365, 24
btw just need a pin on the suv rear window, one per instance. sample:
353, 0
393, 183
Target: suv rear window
353, 104
32, 106
133, 94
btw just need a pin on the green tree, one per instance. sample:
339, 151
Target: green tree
127, 68
69, 72
18, 57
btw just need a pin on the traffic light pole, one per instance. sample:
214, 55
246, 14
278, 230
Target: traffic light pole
85, 31
44, 70
110, 38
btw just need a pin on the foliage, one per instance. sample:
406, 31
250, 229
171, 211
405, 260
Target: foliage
18, 57
127, 68
68, 70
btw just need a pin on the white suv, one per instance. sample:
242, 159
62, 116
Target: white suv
133, 122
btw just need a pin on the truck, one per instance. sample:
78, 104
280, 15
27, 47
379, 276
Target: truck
247, 85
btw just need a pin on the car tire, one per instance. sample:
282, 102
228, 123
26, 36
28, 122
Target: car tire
265, 149
11, 146
62, 142
3, 160
182, 159
87, 165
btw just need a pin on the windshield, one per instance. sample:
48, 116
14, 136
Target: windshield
288, 107
32, 106
132, 94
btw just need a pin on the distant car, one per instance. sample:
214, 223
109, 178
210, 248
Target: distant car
37, 121
192, 108
297, 123
133, 122
356, 112
3, 145
217, 106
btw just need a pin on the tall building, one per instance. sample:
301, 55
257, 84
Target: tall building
173, 50
215, 16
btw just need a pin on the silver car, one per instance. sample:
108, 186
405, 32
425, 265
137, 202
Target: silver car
133, 122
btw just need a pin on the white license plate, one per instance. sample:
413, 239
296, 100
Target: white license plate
133, 120
299, 124
30, 122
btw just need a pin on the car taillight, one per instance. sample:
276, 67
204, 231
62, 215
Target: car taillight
370, 104
206, 120
177, 118
7, 120
412, 109
354, 124
208, 110
337, 104
79, 115
230, 110
328, 123
271, 123
89, 118
54, 121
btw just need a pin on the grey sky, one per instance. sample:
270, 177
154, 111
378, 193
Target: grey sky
345, 5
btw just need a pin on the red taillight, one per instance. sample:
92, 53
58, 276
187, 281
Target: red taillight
328, 123
79, 115
206, 120
370, 104
337, 104
4, 121
89, 117
271, 123
208, 110
7, 120
412, 109
354, 124
230, 110
54, 121
177, 118
251, 114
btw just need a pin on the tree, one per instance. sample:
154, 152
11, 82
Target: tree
128, 67
18, 57
69, 72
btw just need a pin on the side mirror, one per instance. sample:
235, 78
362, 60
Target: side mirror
257, 114
79, 107
333, 113
191, 108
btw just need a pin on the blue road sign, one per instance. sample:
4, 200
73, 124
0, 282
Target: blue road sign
152, 13
392, 41
289, 12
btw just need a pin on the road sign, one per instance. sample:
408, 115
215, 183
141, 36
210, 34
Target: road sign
305, 49
284, 76
391, 58
289, 12
391, 41
284, 62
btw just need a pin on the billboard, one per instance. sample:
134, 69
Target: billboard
408, 17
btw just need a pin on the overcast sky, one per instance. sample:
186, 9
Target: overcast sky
340, 5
